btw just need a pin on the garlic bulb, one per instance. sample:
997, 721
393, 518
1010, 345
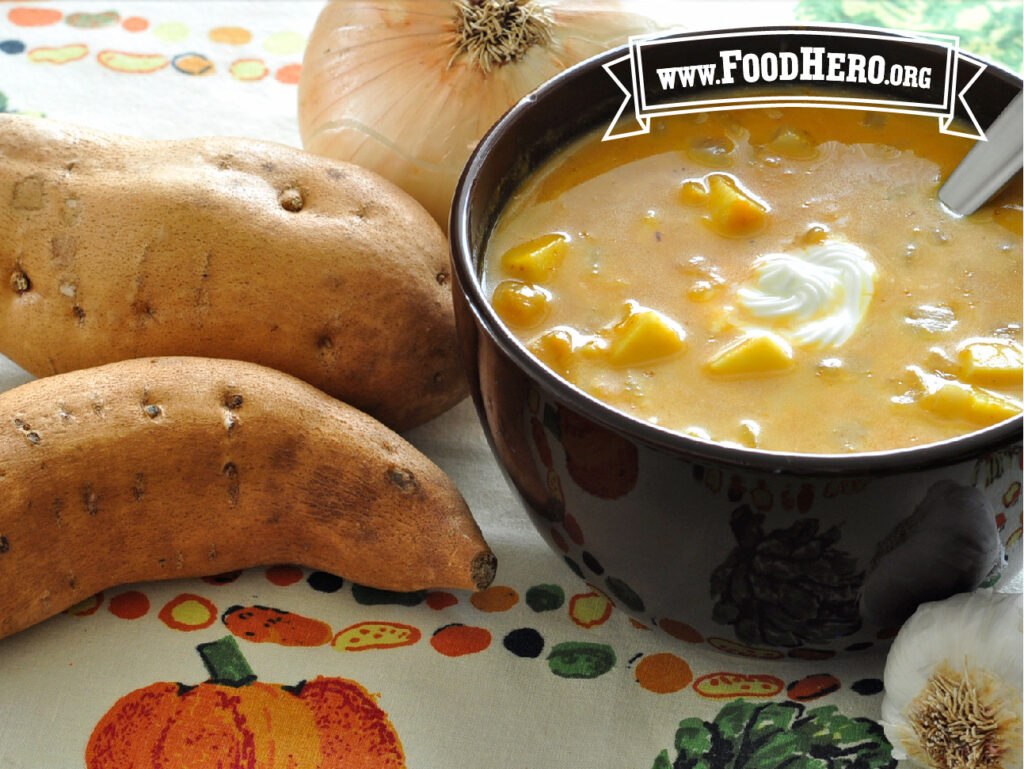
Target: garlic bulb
407, 88
953, 683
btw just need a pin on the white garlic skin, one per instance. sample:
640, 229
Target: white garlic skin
981, 632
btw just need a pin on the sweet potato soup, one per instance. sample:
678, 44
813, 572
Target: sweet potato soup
783, 279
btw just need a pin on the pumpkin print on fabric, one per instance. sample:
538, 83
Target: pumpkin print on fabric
233, 720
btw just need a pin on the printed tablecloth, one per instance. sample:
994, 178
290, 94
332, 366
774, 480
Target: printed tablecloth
539, 671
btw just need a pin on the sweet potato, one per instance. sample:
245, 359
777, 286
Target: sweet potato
173, 467
116, 248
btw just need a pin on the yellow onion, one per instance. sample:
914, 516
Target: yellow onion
407, 88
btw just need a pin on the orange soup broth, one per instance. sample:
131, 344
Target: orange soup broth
640, 233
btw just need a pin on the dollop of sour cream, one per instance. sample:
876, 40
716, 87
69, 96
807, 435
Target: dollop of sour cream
816, 296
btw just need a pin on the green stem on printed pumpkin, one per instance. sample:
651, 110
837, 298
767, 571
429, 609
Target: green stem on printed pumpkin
226, 663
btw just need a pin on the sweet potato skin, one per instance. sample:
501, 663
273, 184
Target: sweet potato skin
117, 248
175, 467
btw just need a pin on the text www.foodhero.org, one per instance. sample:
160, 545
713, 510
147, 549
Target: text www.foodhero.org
812, 64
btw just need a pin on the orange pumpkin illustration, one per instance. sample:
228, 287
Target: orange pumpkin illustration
234, 721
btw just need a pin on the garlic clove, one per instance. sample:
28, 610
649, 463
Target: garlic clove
953, 680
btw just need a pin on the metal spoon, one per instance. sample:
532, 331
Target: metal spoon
989, 164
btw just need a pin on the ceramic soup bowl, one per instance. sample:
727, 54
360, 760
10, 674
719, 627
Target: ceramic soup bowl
759, 553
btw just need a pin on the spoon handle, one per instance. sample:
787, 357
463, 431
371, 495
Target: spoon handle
989, 164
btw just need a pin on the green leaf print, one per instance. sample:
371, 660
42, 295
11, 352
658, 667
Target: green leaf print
693, 737
778, 735
991, 29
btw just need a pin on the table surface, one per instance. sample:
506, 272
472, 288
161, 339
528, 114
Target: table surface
481, 685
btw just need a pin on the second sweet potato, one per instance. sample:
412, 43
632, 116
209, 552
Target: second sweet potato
175, 467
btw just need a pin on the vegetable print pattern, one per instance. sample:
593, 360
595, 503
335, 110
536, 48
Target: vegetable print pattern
760, 719
206, 59
545, 628
727, 703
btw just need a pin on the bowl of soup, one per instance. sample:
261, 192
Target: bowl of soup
748, 376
